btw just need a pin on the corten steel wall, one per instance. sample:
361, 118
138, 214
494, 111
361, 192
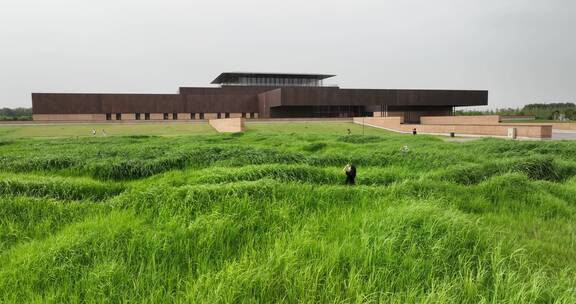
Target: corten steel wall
221, 103
335, 96
267, 100
224, 99
144, 103
106, 103
66, 103
251, 100
415, 103
316, 111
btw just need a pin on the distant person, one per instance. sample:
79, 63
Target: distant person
414, 131
349, 132
350, 171
93, 132
103, 132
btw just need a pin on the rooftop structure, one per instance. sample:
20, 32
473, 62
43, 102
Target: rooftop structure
270, 79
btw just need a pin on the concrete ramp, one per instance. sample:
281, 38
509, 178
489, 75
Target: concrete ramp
227, 125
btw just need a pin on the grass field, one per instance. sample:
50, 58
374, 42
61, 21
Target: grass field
265, 217
85, 130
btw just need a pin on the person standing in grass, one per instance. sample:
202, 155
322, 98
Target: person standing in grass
93, 132
414, 131
350, 171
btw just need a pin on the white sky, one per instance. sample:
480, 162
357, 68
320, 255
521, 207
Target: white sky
522, 51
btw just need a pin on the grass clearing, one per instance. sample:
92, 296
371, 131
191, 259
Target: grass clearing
265, 216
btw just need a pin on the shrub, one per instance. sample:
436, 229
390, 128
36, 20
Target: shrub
469, 174
288, 173
537, 167
507, 188
360, 139
314, 147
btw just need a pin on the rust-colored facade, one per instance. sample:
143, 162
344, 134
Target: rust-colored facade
256, 95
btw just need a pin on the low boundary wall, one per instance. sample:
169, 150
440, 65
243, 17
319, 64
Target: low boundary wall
501, 130
227, 125
461, 120
566, 126
516, 117
491, 120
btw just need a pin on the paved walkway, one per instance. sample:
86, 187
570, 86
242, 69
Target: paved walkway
556, 135
563, 135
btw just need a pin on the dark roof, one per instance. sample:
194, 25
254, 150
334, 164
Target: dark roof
234, 76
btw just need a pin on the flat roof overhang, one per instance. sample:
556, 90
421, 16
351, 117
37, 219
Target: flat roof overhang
401, 97
229, 77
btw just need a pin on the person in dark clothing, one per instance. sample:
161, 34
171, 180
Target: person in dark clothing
414, 131
350, 171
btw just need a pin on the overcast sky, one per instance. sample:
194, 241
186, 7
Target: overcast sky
522, 51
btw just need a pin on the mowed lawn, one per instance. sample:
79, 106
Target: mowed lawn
119, 129
171, 129
176, 213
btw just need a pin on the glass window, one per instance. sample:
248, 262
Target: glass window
118, 116
108, 116
146, 116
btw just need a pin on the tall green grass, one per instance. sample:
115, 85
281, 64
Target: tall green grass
57, 187
30, 218
265, 217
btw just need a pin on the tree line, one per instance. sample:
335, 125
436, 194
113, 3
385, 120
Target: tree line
542, 111
16, 114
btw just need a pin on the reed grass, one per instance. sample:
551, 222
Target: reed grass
265, 217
